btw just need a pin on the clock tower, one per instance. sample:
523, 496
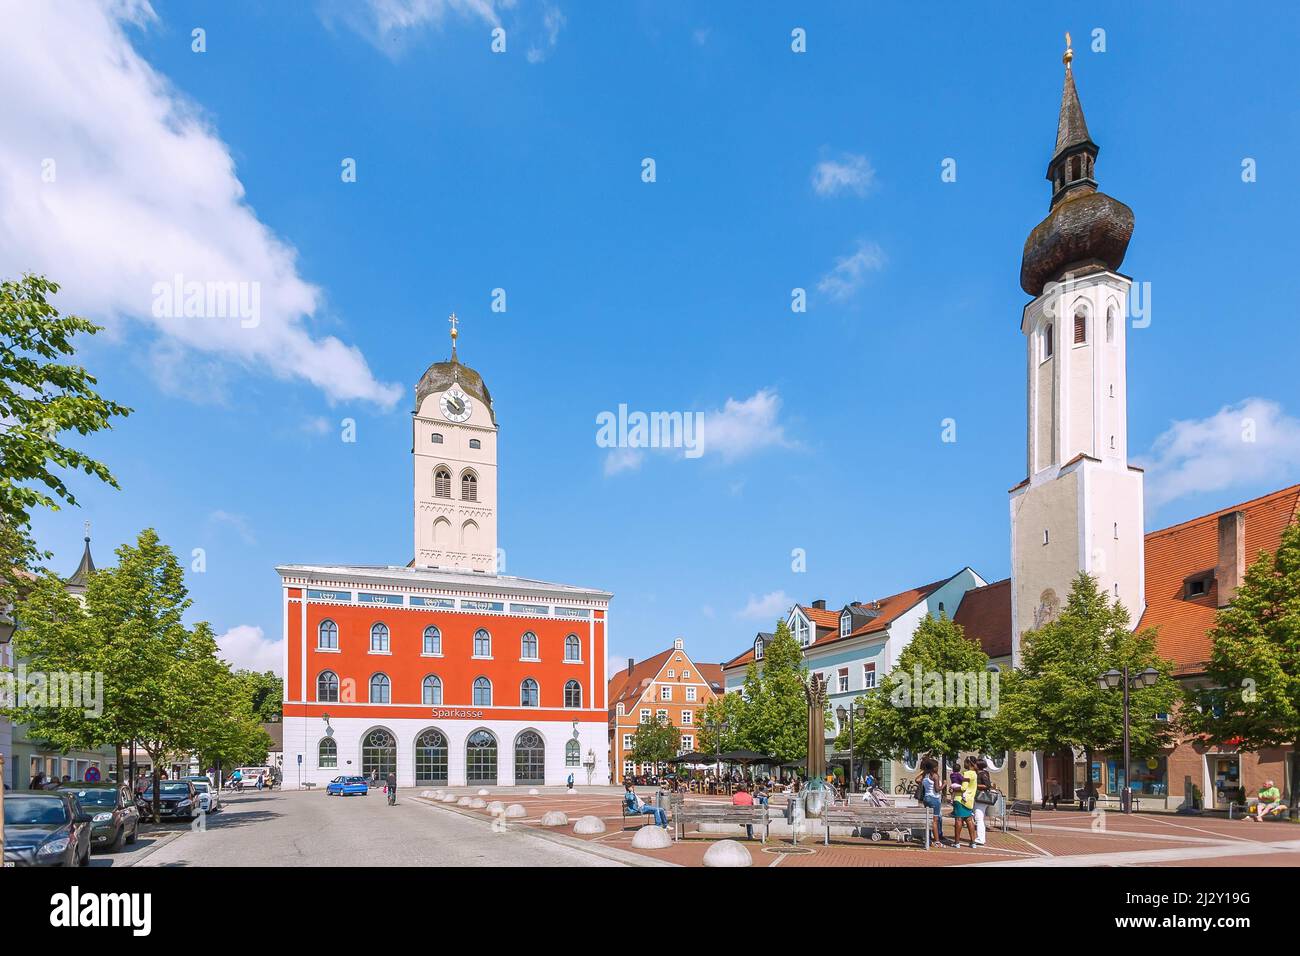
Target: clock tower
454, 448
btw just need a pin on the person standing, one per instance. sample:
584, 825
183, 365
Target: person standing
931, 798
985, 797
963, 802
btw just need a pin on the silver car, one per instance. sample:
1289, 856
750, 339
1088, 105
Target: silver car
209, 798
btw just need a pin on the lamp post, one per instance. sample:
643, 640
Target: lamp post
1112, 680
848, 713
716, 729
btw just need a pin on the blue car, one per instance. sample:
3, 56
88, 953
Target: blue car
345, 785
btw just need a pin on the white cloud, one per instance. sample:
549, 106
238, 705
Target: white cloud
236, 521
144, 190
738, 429
767, 608
391, 25
552, 22
246, 648
744, 427
1251, 442
850, 173
619, 460
850, 272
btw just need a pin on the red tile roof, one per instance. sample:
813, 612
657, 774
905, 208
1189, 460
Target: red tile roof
1177, 553
827, 623
627, 690
985, 614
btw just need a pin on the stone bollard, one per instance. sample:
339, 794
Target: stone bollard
727, 853
477, 803
652, 838
495, 807
555, 818
463, 801
483, 791
516, 810
589, 825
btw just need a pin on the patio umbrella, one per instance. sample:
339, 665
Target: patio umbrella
746, 757
692, 757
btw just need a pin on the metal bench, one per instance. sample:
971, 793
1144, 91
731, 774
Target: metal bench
900, 824
701, 812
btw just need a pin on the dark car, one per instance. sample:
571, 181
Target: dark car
45, 829
114, 817
177, 800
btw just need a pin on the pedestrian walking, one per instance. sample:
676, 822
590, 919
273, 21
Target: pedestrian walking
963, 802
930, 796
985, 797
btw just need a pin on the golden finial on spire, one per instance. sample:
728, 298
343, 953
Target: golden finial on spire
454, 334
1069, 53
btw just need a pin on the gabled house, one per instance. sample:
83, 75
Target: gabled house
669, 687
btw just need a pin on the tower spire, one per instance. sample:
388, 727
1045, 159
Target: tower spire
454, 334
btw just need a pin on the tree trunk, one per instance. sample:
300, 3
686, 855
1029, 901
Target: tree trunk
117, 755
1295, 780
157, 796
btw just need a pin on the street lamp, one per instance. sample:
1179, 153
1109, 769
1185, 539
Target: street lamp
716, 729
1112, 680
843, 713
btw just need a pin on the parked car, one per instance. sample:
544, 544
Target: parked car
209, 799
114, 817
177, 800
45, 829
346, 785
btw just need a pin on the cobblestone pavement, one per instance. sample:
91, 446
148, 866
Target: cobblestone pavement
308, 828
1057, 838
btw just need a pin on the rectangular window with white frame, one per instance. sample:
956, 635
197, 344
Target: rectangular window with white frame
690, 693
665, 692
843, 679
645, 715
869, 675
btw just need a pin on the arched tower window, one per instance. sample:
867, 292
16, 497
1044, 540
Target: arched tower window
1049, 343
469, 486
442, 483
1080, 327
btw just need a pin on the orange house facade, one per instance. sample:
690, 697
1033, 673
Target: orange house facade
446, 677
668, 687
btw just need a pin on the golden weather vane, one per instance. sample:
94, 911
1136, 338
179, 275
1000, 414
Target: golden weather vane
1069, 52
454, 334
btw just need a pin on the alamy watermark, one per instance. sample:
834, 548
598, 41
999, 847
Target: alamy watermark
22, 688
179, 299
624, 429
947, 689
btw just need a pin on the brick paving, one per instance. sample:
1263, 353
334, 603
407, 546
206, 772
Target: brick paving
1108, 838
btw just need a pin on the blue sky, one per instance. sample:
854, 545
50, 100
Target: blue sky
522, 171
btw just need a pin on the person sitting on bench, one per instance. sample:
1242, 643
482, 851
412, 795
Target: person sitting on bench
1270, 802
635, 806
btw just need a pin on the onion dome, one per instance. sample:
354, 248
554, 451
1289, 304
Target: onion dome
441, 376
1085, 227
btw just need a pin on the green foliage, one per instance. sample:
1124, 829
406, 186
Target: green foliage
775, 715
41, 398
265, 692
165, 686
1053, 700
897, 719
655, 741
1253, 675
729, 709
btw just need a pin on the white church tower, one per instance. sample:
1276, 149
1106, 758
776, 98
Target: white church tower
1080, 508
454, 446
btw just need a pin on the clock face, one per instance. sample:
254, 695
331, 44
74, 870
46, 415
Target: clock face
455, 405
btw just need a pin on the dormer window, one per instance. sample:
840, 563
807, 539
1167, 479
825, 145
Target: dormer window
846, 624
1197, 586
758, 648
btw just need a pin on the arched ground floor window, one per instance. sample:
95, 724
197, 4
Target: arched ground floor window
430, 757
481, 758
378, 753
530, 758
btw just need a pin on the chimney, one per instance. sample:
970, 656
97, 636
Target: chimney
1231, 569
819, 604
631, 662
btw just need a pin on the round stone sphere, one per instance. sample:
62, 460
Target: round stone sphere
477, 803
589, 825
533, 792
448, 798
555, 818
495, 807
727, 853
516, 810
652, 838
463, 801
483, 792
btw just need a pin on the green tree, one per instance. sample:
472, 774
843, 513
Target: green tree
265, 692
728, 709
939, 699
1053, 700
1252, 690
775, 716
655, 741
41, 399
